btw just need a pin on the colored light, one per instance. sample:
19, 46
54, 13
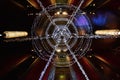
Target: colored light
64, 13
57, 13
99, 19
70, 1
68, 58
102, 59
81, 21
14, 34
62, 76
34, 4
53, 2
58, 50
61, 13
108, 32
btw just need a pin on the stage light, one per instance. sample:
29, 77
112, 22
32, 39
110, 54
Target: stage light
108, 32
14, 34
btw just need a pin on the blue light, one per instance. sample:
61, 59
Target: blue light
100, 19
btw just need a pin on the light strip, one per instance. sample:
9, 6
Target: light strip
14, 34
34, 4
108, 32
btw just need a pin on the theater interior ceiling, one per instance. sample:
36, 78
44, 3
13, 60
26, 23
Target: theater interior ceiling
18, 61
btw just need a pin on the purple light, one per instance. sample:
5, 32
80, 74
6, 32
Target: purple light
81, 21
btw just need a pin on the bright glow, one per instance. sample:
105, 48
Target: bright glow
93, 4
64, 13
58, 50
61, 13
119, 33
14, 34
62, 76
108, 32
57, 13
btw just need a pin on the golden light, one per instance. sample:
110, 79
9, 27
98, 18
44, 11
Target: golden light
67, 58
70, 1
61, 13
53, 2
64, 13
118, 33
57, 13
108, 32
62, 77
102, 59
34, 3
87, 3
14, 34
58, 50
